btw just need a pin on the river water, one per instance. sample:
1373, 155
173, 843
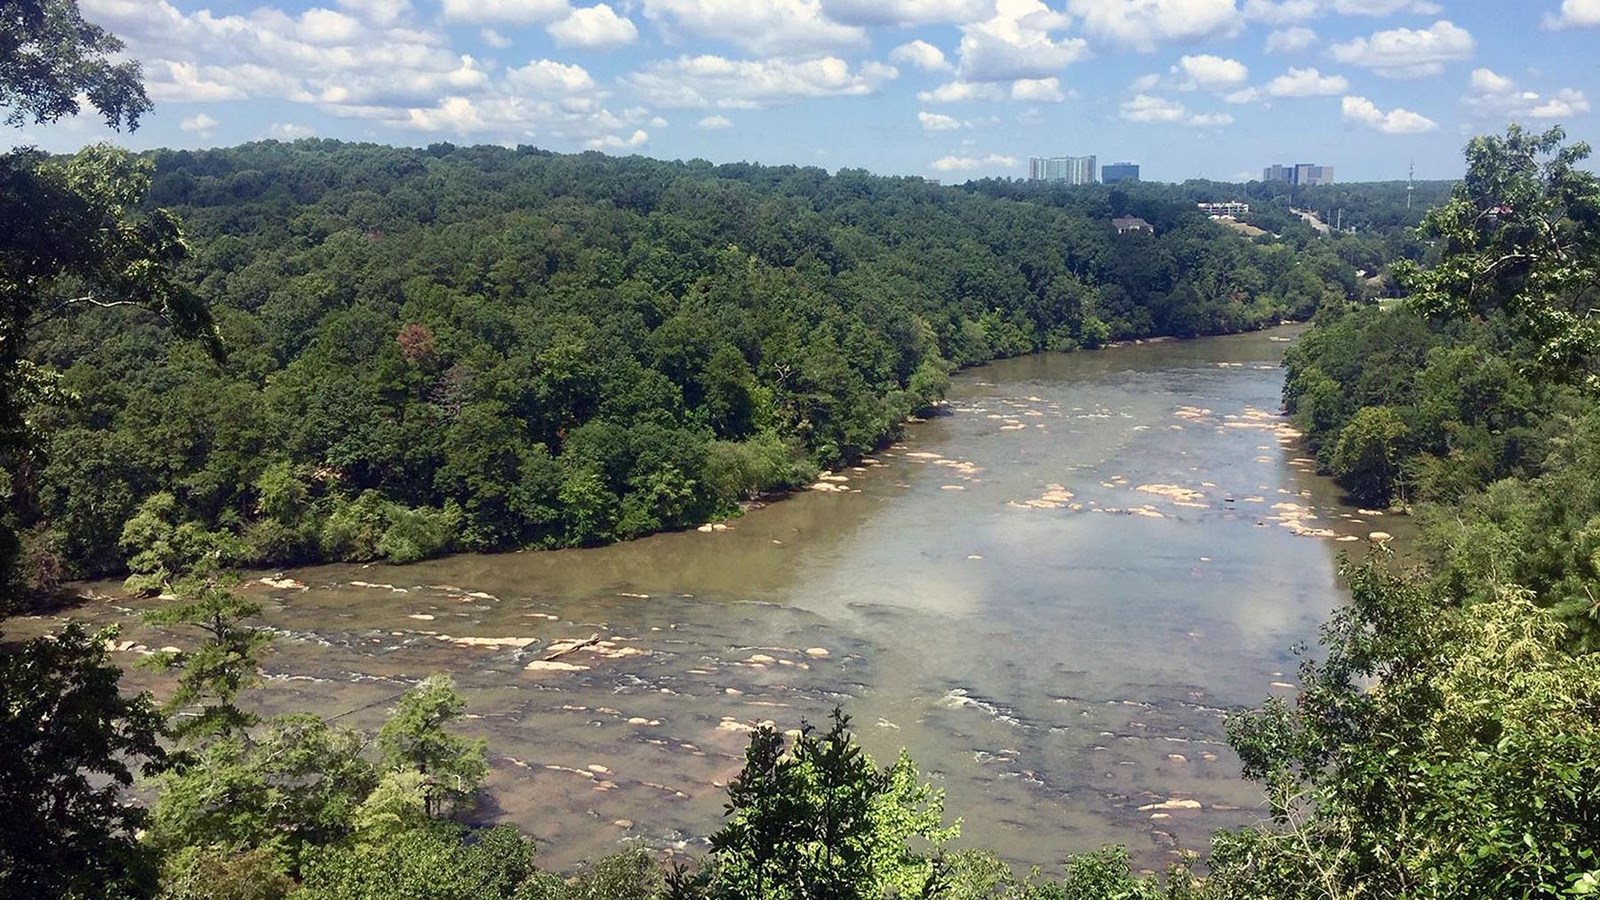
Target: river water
1051, 595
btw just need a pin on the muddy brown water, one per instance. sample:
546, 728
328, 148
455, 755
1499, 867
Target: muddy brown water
1051, 595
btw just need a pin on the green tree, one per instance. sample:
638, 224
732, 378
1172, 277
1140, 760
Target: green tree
1366, 458
416, 739
1437, 750
1521, 234
70, 743
225, 662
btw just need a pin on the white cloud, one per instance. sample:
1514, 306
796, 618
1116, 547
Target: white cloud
962, 92
1486, 81
1145, 83
1152, 110
1575, 14
905, 12
1017, 42
968, 163
1144, 24
1378, 8
1211, 73
937, 121
715, 123
1038, 90
381, 13
637, 139
595, 27
1495, 96
921, 54
1148, 108
1406, 52
1243, 95
1283, 12
714, 82
545, 76
516, 12
1291, 40
200, 124
495, 39
289, 131
1364, 112
368, 60
1306, 83
326, 27
787, 27
1290, 12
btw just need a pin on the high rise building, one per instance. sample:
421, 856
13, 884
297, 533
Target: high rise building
1111, 173
1303, 174
1067, 169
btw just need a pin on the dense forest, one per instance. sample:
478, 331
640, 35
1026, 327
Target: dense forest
391, 352
481, 348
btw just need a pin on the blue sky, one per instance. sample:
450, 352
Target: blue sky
953, 89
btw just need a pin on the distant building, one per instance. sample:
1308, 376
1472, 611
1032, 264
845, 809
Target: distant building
1302, 174
1111, 173
1226, 208
1125, 224
1066, 169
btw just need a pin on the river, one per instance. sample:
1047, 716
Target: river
1051, 595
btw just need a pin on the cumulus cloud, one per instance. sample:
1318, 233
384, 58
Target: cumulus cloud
1152, 110
290, 131
1291, 40
1363, 112
1495, 96
1575, 14
494, 39
369, 60
1145, 24
637, 139
381, 13
1406, 52
515, 12
968, 163
1210, 73
1018, 42
962, 92
715, 123
1038, 90
905, 12
200, 124
937, 121
766, 27
1377, 8
921, 54
715, 82
1306, 83
1289, 12
595, 27
1281, 12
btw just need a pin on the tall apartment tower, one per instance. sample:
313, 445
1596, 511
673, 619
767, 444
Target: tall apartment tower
1065, 169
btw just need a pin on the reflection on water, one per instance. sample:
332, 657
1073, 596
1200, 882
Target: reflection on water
1051, 596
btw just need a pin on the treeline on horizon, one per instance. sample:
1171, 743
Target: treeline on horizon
477, 348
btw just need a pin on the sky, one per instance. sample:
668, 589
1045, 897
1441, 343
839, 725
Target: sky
950, 89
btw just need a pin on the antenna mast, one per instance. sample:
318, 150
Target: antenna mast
1411, 179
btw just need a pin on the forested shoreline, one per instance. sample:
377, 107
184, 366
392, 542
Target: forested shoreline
480, 348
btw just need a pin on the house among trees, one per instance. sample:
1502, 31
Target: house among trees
1125, 224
